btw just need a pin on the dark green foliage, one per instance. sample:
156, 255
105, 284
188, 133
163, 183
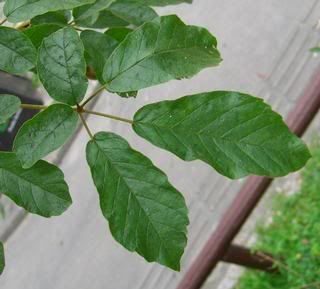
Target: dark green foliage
146, 214
40, 190
49, 130
235, 133
61, 66
9, 105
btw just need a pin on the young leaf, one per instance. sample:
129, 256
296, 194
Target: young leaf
2, 258
98, 47
17, 52
62, 67
132, 12
22, 10
57, 17
40, 190
44, 133
160, 51
38, 32
146, 214
236, 134
9, 105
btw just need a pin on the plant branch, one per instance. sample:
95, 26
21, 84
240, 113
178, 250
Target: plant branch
92, 96
33, 106
3, 21
108, 116
85, 125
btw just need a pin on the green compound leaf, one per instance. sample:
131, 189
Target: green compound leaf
132, 12
18, 55
39, 190
235, 133
98, 47
9, 105
62, 67
37, 33
22, 10
2, 258
44, 133
146, 214
158, 52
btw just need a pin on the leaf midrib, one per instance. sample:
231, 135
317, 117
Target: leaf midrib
131, 192
50, 132
15, 51
214, 137
155, 53
33, 183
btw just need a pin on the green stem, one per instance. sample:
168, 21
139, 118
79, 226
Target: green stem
80, 110
85, 125
33, 106
108, 116
93, 95
3, 21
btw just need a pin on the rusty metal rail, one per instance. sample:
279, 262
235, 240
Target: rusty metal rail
219, 244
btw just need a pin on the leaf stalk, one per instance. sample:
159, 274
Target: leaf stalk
109, 116
85, 125
93, 95
33, 106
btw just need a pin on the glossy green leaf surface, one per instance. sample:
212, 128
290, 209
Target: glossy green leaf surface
17, 52
146, 214
2, 258
44, 133
235, 133
56, 17
132, 12
98, 47
9, 105
159, 51
22, 10
102, 19
40, 190
90, 11
118, 33
38, 32
62, 67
